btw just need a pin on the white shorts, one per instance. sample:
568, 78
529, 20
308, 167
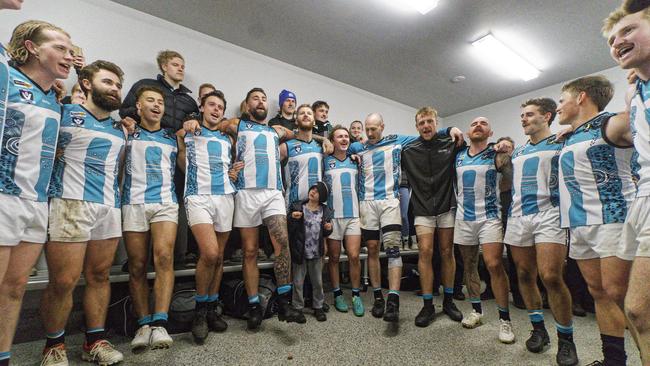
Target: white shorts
75, 221
635, 241
139, 217
22, 220
254, 205
443, 221
595, 241
208, 209
376, 214
478, 232
343, 227
541, 227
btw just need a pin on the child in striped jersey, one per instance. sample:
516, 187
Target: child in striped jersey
150, 209
206, 156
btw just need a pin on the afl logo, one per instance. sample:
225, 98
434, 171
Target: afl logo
298, 149
332, 164
27, 95
197, 132
78, 121
249, 125
136, 134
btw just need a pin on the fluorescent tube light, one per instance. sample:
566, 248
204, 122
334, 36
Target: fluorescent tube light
422, 6
503, 59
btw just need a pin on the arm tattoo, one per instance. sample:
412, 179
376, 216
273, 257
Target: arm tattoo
277, 225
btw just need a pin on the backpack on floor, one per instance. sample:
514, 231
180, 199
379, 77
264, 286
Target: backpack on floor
235, 299
181, 308
121, 318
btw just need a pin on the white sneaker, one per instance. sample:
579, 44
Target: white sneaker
142, 338
102, 353
505, 332
55, 356
160, 338
473, 320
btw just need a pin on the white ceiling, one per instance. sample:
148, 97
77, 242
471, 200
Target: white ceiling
403, 55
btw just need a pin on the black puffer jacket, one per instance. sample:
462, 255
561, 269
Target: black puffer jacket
297, 232
178, 103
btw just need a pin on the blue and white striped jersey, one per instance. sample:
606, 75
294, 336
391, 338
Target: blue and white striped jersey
208, 157
380, 170
341, 179
150, 166
258, 146
595, 177
535, 177
29, 134
87, 157
477, 187
640, 121
304, 167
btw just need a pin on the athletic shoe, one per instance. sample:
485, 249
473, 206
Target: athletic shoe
459, 295
566, 353
326, 307
597, 363
301, 317
538, 340
392, 312
55, 356
473, 320
319, 314
255, 317
340, 304
160, 338
142, 338
357, 306
452, 311
425, 317
505, 332
215, 322
101, 352
200, 325
578, 310
237, 256
286, 312
405, 242
378, 308
414, 245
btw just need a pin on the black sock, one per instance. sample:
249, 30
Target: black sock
477, 307
201, 305
540, 325
50, 342
338, 292
159, 323
92, 337
4, 362
378, 294
393, 297
504, 314
428, 303
356, 292
613, 350
447, 297
565, 336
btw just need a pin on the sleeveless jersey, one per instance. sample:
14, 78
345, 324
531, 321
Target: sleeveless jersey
477, 185
303, 168
595, 177
29, 135
208, 157
149, 168
380, 169
341, 179
640, 121
258, 147
87, 157
535, 177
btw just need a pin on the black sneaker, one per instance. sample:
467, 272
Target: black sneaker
326, 307
378, 308
392, 312
452, 311
566, 353
425, 317
215, 322
319, 314
578, 310
286, 312
459, 295
200, 325
255, 316
538, 340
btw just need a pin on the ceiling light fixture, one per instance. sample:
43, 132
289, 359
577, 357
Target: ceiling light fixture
422, 6
504, 60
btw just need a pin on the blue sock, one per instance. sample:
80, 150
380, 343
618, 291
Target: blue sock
283, 289
5, 355
504, 313
160, 316
476, 305
255, 299
201, 301
536, 317
213, 298
144, 320
565, 331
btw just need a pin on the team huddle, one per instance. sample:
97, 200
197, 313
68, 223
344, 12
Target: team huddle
76, 179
